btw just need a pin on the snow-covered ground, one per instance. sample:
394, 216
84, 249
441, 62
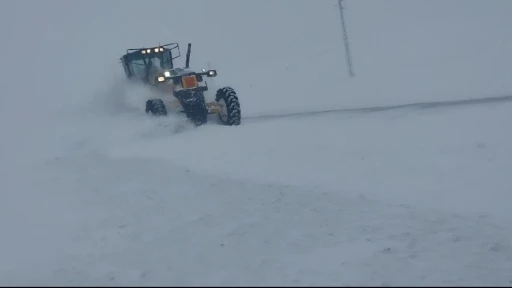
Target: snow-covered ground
403, 197
95, 192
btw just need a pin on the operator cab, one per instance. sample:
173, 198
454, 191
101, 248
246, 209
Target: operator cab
139, 63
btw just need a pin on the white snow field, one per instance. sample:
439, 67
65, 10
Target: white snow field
310, 190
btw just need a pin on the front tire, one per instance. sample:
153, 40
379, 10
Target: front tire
156, 107
231, 114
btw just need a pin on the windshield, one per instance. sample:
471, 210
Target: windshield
141, 64
155, 61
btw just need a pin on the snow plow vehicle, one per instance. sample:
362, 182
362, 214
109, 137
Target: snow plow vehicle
154, 67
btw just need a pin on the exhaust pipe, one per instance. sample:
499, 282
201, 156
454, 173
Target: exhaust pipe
187, 61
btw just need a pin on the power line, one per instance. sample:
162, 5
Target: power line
345, 40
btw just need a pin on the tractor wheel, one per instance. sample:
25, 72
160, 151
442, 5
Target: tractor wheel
230, 114
197, 113
156, 107
194, 106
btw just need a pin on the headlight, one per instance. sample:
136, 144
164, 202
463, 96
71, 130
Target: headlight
161, 49
161, 78
156, 49
167, 74
212, 73
143, 51
148, 51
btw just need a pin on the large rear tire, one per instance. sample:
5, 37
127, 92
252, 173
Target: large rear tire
230, 114
156, 107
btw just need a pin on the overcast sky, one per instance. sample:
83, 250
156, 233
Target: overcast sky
403, 50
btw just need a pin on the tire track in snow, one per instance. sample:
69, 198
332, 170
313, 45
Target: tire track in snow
418, 106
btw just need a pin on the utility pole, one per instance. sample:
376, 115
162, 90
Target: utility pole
345, 40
